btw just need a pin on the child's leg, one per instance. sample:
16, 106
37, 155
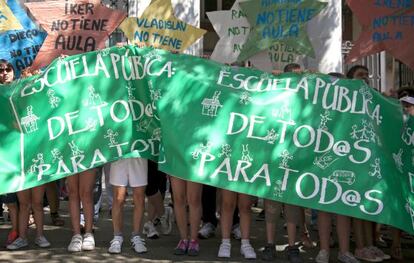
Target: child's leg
139, 206
25, 204
179, 194
37, 207
118, 201
194, 191
86, 183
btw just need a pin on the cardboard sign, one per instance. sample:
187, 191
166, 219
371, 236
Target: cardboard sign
158, 27
279, 21
233, 28
20, 47
324, 31
276, 58
7, 20
73, 27
386, 26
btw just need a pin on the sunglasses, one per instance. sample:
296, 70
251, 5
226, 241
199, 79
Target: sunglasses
8, 70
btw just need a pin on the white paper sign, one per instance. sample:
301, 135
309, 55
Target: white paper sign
324, 30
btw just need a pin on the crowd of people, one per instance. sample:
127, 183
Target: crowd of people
193, 204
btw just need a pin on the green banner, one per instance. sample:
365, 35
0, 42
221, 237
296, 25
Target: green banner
311, 140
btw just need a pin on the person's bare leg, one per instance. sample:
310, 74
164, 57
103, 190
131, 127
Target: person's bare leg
194, 191
324, 229
155, 206
139, 206
74, 202
291, 227
396, 251
228, 204
343, 229
86, 183
270, 224
244, 203
305, 235
368, 233
37, 207
52, 197
25, 203
358, 233
14, 218
179, 194
118, 201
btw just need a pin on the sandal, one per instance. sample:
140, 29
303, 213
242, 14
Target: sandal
396, 253
56, 220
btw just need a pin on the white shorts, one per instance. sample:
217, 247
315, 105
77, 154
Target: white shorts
131, 172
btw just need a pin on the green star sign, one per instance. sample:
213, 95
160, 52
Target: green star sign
279, 21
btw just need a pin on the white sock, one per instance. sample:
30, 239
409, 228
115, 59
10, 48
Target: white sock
225, 241
245, 242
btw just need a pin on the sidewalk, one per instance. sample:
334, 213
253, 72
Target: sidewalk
159, 250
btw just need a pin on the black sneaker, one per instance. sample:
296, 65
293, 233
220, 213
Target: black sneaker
269, 252
293, 254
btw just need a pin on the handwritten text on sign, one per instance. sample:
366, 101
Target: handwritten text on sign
78, 42
73, 27
20, 47
279, 21
159, 27
397, 19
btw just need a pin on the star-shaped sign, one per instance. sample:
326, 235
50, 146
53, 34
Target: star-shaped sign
233, 28
19, 47
276, 58
73, 27
386, 25
7, 19
279, 21
158, 27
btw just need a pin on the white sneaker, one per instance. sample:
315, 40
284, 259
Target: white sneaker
88, 243
138, 244
224, 250
75, 244
206, 231
42, 242
247, 251
236, 232
379, 253
167, 220
150, 231
347, 257
322, 257
17, 244
116, 245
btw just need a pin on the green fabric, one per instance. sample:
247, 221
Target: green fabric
279, 21
311, 140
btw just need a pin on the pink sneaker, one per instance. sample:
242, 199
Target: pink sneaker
193, 248
181, 248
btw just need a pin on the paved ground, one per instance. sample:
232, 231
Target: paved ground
160, 250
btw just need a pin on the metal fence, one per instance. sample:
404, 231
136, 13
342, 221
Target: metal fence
405, 76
